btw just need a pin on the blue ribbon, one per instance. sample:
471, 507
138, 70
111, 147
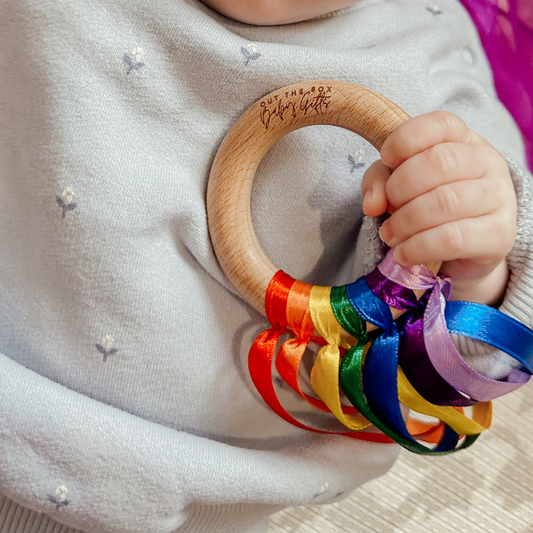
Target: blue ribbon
492, 327
368, 305
380, 376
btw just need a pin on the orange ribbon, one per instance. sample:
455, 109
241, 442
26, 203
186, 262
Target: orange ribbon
291, 352
262, 353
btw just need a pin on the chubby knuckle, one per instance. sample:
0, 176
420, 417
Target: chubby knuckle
507, 217
508, 243
393, 190
449, 121
448, 201
403, 222
499, 195
402, 253
441, 160
452, 239
413, 250
375, 167
495, 159
374, 176
368, 179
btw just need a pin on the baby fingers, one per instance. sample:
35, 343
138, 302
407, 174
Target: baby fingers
422, 132
447, 203
443, 164
373, 188
482, 239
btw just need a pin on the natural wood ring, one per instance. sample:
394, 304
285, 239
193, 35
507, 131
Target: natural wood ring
334, 103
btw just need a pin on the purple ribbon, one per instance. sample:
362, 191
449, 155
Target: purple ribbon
390, 292
412, 354
428, 356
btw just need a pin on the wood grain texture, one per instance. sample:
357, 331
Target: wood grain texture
334, 103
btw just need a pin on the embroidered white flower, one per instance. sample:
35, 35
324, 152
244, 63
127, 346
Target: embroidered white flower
250, 52
105, 346
138, 54
357, 160
66, 200
432, 8
60, 498
61, 492
107, 342
252, 48
322, 490
135, 59
68, 195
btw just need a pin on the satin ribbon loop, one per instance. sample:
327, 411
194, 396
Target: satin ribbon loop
413, 356
403, 364
465, 385
449, 363
346, 315
454, 418
299, 321
492, 327
262, 350
384, 385
276, 300
292, 350
351, 378
416, 277
262, 353
325, 371
367, 305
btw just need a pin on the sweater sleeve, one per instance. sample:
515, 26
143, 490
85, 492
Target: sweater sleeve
518, 298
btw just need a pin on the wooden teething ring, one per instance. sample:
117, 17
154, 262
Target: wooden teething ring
333, 103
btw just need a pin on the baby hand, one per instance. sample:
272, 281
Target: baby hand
452, 200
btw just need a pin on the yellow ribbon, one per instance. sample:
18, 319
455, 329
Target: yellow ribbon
481, 417
325, 371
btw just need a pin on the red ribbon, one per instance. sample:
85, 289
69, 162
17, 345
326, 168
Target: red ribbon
262, 353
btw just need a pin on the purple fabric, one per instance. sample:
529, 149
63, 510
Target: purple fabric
449, 363
412, 354
417, 367
506, 31
393, 294
441, 351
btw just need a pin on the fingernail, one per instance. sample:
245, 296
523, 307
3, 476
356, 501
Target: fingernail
385, 232
368, 196
398, 257
388, 157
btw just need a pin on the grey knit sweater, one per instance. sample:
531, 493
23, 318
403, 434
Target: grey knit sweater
125, 401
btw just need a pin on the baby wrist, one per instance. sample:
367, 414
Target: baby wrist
487, 290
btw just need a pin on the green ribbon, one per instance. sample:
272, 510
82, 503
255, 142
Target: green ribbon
350, 373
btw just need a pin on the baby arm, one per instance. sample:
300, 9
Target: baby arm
452, 200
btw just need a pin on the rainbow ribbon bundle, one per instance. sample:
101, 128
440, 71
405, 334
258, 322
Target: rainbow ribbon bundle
411, 360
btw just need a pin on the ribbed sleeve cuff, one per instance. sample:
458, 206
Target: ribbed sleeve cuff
518, 301
238, 518
518, 298
235, 518
15, 518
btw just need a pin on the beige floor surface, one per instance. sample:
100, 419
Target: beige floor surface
487, 488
